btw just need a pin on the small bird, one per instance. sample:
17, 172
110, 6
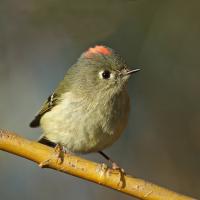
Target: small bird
88, 111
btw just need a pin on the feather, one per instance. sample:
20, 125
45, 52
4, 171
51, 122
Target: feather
46, 107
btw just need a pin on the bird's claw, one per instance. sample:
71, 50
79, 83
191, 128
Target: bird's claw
115, 166
121, 172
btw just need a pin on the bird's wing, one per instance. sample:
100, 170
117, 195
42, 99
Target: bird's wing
46, 107
53, 100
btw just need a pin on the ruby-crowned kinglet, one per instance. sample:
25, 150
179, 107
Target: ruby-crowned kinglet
89, 109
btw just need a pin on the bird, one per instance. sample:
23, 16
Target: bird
89, 109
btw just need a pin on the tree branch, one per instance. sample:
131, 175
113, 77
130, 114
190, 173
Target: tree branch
85, 169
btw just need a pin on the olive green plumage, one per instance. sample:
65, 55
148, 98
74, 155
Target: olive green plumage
89, 109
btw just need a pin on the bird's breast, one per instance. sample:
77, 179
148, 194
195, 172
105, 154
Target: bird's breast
86, 125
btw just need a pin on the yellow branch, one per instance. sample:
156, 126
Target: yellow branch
86, 169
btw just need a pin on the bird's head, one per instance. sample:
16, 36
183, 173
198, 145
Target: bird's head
100, 70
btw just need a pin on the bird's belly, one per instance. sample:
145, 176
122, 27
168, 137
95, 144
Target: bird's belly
83, 131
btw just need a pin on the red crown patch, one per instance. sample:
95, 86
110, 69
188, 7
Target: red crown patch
98, 50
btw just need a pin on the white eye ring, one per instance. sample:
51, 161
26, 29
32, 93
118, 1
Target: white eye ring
105, 74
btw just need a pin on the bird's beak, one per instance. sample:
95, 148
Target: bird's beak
132, 71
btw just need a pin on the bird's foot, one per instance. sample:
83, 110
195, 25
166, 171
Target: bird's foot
115, 166
58, 153
121, 172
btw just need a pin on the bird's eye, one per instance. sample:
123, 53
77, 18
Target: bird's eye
105, 74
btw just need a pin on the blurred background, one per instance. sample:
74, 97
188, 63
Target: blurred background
39, 40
